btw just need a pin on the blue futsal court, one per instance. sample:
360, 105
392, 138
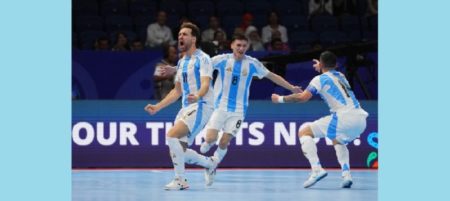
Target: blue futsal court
230, 184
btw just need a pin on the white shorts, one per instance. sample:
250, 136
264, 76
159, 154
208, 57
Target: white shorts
229, 122
195, 116
342, 126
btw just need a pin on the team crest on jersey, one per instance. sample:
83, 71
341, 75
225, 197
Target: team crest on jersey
229, 69
244, 72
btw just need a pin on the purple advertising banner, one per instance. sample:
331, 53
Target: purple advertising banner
120, 134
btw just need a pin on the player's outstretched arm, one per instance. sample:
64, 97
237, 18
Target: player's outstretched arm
299, 97
204, 87
283, 83
173, 96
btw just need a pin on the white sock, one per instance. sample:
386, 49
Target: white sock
205, 147
220, 153
177, 155
343, 156
309, 149
192, 157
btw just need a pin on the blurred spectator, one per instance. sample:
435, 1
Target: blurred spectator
220, 42
208, 34
271, 27
165, 83
344, 7
159, 33
320, 7
372, 7
137, 45
121, 42
255, 42
277, 45
247, 21
102, 44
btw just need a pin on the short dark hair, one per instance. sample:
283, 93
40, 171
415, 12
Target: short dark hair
195, 31
328, 59
239, 37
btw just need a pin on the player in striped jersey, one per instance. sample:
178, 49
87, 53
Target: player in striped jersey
192, 83
346, 122
232, 87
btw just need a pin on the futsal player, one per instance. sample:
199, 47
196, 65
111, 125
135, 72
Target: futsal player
346, 122
192, 83
232, 88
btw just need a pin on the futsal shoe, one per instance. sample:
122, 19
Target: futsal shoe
177, 184
211, 172
316, 175
205, 147
347, 180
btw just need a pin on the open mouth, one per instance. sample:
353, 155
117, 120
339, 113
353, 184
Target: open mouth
181, 43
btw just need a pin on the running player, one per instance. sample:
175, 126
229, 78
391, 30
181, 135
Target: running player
346, 122
192, 82
235, 73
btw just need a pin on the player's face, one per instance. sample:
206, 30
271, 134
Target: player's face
239, 48
185, 39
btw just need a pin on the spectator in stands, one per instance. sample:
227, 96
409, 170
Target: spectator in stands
165, 83
372, 7
247, 21
137, 45
102, 44
344, 7
276, 37
320, 7
121, 42
271, 27
214, 25
158, 33
255, 42
220, 42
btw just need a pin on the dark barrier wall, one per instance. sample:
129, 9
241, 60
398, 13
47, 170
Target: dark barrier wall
121, 134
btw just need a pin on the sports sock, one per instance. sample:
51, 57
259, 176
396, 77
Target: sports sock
177, 155
343, 156
220, 153
192, 157
309, 149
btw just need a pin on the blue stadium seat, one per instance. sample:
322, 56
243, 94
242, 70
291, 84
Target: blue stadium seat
370, 35
143, 8
201, 21
173, 7
75, 40
258, 7
349, 23
142, 22
230, 22
355, 36
302, 38
204, 8
115, 23
88, 23
295, 23
373, 22
229, 8
260, 20
323, 23
87, 39
288, 7
173, 21
114, 8
261, 89
330, 38
85, 8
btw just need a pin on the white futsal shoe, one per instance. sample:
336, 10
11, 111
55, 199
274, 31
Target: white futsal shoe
347, 180
205, 147
316, 175
177, 184
211, 172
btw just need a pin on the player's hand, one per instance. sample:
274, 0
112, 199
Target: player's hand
151, 109
317, 65
192, 98
275, 98
297, 90
168, 70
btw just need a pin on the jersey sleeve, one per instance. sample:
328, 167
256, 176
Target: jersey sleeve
314, 86
177, 74
206, 69
260, 70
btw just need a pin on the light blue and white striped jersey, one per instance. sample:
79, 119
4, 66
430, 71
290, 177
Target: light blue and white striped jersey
335, 90
233, 81
190, 69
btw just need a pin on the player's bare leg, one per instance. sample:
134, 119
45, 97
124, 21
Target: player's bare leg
309, 149
343, 157
210, 140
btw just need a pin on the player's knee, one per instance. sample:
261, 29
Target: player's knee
305, 130
211, 136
